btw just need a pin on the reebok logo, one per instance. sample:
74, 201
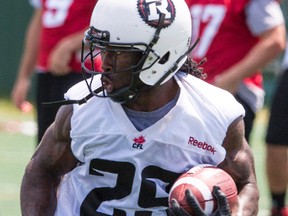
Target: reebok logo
204, 146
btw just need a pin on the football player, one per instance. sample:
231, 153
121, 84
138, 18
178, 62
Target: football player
138, 125
238, 38
52, 50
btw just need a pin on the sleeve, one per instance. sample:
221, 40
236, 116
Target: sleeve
37, 4
285, 58
263, 15
80, 89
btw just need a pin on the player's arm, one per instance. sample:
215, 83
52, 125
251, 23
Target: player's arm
60, 56
239, 163
52, 159
28, 61
271, 44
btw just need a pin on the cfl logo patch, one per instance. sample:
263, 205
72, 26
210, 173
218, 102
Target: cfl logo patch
138, 142
150, 11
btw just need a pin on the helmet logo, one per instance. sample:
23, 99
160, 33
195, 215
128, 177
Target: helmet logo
150, 11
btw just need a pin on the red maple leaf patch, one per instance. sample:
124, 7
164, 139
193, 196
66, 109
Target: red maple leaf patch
139, 140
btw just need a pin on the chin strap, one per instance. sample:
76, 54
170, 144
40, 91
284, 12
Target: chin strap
67, 102
175, 65
158, 30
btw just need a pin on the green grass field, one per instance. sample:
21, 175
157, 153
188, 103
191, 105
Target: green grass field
16, 149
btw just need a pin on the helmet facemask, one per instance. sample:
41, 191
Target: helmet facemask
98, 43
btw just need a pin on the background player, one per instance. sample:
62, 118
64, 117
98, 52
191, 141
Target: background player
277, 142
54, 38
238, 38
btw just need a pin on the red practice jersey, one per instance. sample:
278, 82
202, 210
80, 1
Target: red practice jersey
224, 35
60, 19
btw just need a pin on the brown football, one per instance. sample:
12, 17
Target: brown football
200, 180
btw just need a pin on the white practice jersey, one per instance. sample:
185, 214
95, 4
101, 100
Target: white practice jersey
128, 172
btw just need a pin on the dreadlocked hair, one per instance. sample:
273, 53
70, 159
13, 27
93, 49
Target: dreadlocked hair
194, 68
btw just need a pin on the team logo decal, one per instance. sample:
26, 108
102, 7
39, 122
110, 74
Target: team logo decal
150, 11
138, 142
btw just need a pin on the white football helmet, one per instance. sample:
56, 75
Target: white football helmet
160, 29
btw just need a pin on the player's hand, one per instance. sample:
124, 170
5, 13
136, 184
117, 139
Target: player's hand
19, 95
223, 208
228, 81
59, 58
176, 210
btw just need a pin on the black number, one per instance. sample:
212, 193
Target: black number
122, 189
125, 175
147, 197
